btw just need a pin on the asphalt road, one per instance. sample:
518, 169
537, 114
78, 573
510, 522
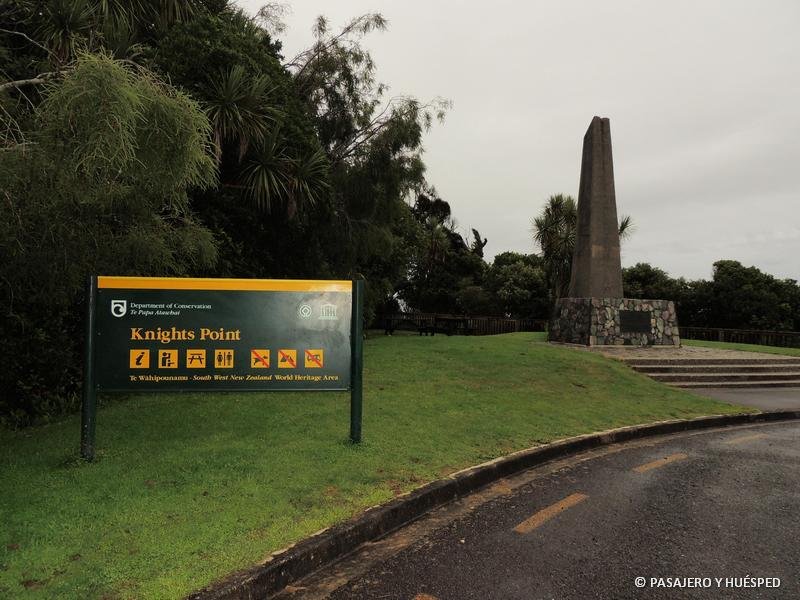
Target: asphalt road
760, 398
710, 509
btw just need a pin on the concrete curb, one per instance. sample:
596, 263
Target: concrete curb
305, 557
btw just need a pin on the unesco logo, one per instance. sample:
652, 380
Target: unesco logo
119, 307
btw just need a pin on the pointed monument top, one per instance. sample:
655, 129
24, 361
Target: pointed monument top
598, 124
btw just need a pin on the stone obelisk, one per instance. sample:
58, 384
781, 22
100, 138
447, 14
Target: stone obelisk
596, 266
595, 313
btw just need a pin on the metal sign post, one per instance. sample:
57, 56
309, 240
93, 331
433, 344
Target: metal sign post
89, 405
161, 334
357, 362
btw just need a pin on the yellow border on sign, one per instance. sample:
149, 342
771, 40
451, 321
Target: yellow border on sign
259, 285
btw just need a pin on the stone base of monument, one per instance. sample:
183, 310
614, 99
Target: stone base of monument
615, 322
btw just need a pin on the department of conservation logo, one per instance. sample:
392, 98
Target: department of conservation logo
119, 308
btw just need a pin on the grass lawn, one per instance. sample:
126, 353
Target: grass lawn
189, 487
744, 347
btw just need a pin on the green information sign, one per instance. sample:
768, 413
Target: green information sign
161, 334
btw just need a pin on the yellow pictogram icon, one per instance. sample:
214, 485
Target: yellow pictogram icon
167, 359
196, 359
140, 359
287, 359
259, 358
223, 359
314, 359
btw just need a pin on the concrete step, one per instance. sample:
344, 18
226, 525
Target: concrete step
717, 368
724, 377
738, 384
778, 360
720, 372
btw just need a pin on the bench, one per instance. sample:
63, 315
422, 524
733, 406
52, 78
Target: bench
453, 326
392, 324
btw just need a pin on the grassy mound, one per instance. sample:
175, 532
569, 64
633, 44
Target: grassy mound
189, 487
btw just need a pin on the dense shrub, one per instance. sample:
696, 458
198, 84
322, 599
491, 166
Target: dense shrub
99, 188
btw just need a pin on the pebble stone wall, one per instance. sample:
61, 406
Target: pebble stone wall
596, 322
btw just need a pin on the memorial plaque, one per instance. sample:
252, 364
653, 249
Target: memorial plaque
634, 321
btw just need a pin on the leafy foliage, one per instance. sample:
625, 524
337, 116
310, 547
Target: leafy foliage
737, 297
745, 297
104, 189
237, 108
646, 281
336, 79
518, 284
265, 144
445, 273
65, 28
554, 233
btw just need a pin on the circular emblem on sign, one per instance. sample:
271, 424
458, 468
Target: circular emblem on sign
119, 307
304, 311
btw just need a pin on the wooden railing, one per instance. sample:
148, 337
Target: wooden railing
431, 323
786, 339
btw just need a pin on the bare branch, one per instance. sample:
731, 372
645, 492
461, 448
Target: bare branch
379, 123
32, 41
361, 139
23, 82
362, 24
272, 17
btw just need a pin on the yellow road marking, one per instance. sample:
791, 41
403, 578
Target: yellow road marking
548, 513
501, 487
745, 438
425, 597
660, 462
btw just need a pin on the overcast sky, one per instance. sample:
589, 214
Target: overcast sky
703, 97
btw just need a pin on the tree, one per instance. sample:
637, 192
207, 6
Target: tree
336, 77
694, 305
554, 233
374, 147
747, 298
40, 40
102, 190
737, 297
63, 28
265, 144
645, 281
315, 166
445, 274
478, 243
517, 284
